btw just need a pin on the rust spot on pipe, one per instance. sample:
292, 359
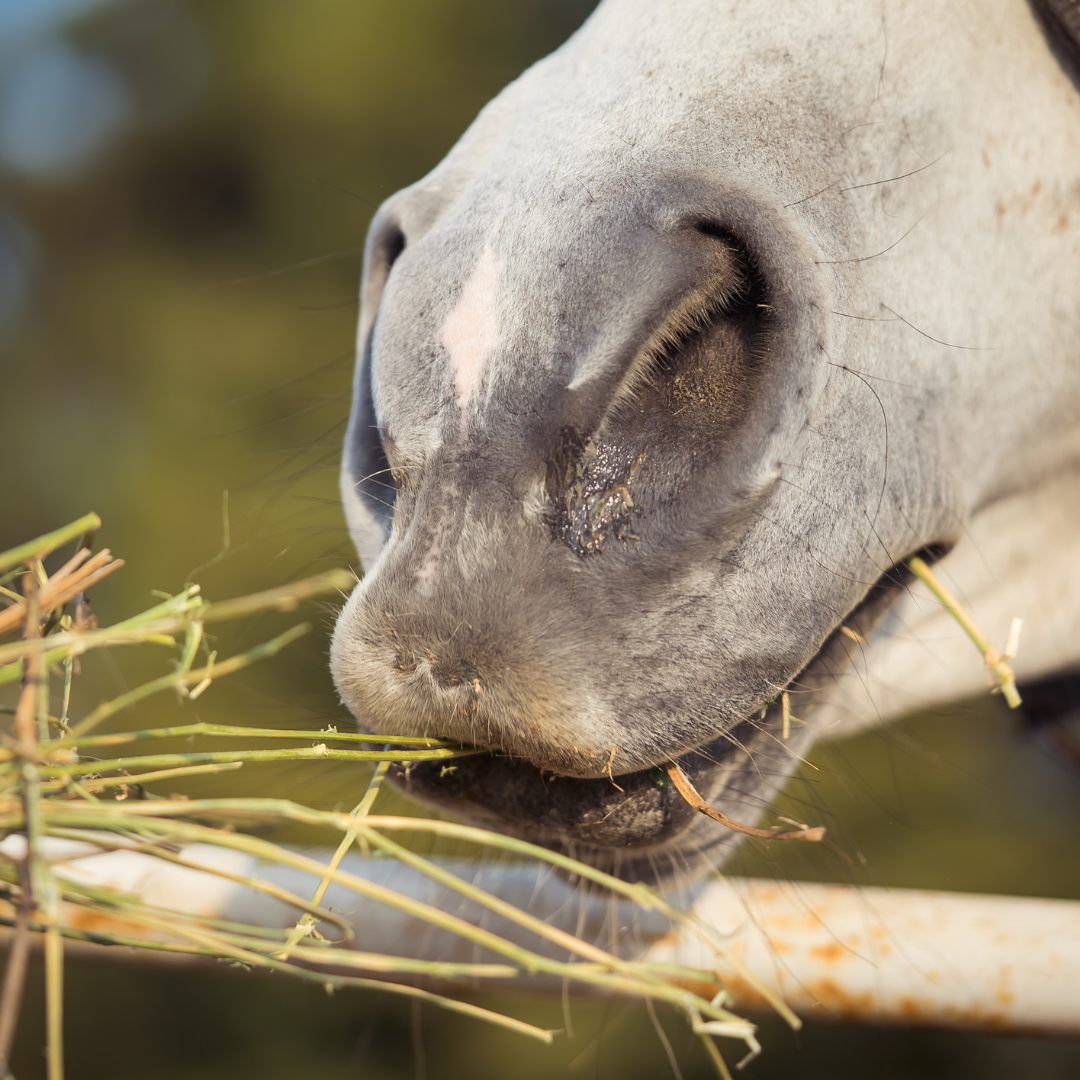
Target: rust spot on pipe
93, 922
839, 1001
745, 995
830, 953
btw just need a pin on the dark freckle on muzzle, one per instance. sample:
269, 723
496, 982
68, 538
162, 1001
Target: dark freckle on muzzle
449, 676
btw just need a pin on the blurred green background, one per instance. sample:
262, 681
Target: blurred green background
184, 191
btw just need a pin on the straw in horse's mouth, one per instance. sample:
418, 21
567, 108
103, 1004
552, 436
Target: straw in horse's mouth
687, 790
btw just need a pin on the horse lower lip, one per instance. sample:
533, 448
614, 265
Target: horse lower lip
632, 810
622, 813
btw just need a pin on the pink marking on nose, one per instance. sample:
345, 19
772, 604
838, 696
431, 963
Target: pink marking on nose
471, 330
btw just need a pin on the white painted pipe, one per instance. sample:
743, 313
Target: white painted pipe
830, 951
895, 955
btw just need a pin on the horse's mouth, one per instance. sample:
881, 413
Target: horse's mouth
620, 822
632, 810
617, 823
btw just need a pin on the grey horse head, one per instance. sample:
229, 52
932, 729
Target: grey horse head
711, 320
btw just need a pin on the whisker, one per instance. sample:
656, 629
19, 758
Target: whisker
893, 179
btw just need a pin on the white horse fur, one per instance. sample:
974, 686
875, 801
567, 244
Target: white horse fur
709, 321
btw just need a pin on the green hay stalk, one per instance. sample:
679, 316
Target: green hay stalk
51, 787
996, 662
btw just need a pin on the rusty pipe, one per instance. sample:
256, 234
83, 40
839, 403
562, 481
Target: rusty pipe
875, 955
880, 955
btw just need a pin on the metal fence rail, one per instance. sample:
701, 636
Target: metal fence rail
872, 954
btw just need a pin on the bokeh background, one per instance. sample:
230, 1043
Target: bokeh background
184, 191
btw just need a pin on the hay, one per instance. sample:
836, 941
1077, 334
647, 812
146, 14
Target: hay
1002, 677
51, 787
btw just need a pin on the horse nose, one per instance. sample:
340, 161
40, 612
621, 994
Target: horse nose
574, 457
455, 635
477, 669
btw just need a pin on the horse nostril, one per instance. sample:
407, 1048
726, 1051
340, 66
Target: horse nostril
669, 442
747, 304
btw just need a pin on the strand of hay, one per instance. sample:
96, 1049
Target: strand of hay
54, 787
1002, 675
690, 793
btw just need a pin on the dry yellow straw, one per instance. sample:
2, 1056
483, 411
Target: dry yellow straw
995, 661
51, 789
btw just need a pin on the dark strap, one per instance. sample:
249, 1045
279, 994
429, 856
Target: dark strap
1067, 13
1062, 21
